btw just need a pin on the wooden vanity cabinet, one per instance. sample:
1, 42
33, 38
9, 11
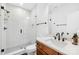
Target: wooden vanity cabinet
60, 53
44, 50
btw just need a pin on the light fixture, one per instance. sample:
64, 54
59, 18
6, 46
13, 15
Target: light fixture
27, 17
21, 4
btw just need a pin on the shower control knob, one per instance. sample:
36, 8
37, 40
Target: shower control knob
2, 7
5, 28
2, 50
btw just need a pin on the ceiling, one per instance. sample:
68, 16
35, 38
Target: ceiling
27, 6
30, 6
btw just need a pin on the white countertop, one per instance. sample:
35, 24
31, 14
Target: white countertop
65, 47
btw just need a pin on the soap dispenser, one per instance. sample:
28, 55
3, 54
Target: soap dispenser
75, 39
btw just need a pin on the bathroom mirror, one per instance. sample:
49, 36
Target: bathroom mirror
73, 22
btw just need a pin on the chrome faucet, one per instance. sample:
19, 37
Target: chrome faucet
58, 35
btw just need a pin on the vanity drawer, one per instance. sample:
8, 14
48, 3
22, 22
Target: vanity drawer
41, 52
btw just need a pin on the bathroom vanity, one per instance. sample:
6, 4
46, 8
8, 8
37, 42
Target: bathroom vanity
45, 50
51, 46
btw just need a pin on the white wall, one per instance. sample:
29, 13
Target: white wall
33, 23
42, 16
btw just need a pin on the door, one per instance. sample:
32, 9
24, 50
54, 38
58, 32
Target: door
18, 28
0, 30
14, 29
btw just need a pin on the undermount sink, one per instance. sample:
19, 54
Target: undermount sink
55, 42
46, 38
58, 43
